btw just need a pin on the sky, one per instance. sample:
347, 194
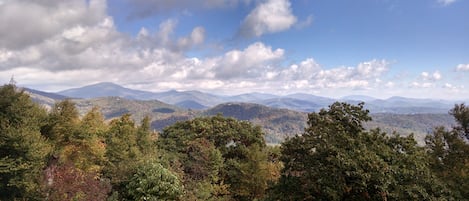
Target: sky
331, 48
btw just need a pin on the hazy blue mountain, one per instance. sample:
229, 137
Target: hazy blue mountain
252, 97
292, 104
46, 94
323, 101
409, 105
189, 104
46, 99
298, 102
358, 98
105, 89
175, 97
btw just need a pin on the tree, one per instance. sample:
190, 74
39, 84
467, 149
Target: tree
336, 159
65, 182
62, 123
154, 182
192, 144
461, 114
127, 145
448, 151
201, 166
145, 140
23, 150
91, 148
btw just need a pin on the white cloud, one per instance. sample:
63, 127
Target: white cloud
462, 67
305, 70
446, 2
17, 30
269, 16
164, 37
88, 48
250, 62
435, 76
309, 75
422, 84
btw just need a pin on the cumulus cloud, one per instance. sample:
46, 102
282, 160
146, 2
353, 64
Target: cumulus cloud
89, 48
17, 30
462, 67
446, 2
250, 62
269, 16
435, 76
164, 37
309, 74
427, 80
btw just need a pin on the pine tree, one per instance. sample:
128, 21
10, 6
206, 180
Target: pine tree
23, 150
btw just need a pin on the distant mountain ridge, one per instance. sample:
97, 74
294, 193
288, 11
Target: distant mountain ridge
277, 122
300, 101
105, 89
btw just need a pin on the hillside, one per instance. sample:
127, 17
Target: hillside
302, 102
276, 123
113, 107
405, 116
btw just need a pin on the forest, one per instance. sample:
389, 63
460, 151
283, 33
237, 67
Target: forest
58, 154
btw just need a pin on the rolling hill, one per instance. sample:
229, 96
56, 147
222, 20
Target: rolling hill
397, 114
300, 102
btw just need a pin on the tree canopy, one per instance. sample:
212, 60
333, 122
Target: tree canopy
337, 159
62, 155
23, 150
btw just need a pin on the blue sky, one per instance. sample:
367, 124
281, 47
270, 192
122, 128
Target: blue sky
333, 48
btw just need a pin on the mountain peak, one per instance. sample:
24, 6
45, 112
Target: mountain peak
103, 89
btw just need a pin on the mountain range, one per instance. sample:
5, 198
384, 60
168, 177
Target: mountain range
299, 102
279, 116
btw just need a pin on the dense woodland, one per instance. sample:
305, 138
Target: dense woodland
60, 155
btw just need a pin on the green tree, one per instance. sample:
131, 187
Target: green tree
23, 150
153, 182
336, 159
122, 152
90, 142
449, 153
240, 144
145, 138
202, 165
62, 123
461, 114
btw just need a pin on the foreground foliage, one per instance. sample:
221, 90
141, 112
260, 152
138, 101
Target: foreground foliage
60, 155
336, 159
23, 151
221, 158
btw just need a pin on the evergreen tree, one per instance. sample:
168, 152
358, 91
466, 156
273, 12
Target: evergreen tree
89, 142
23, 150
62, 123
145, 141
122, 152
